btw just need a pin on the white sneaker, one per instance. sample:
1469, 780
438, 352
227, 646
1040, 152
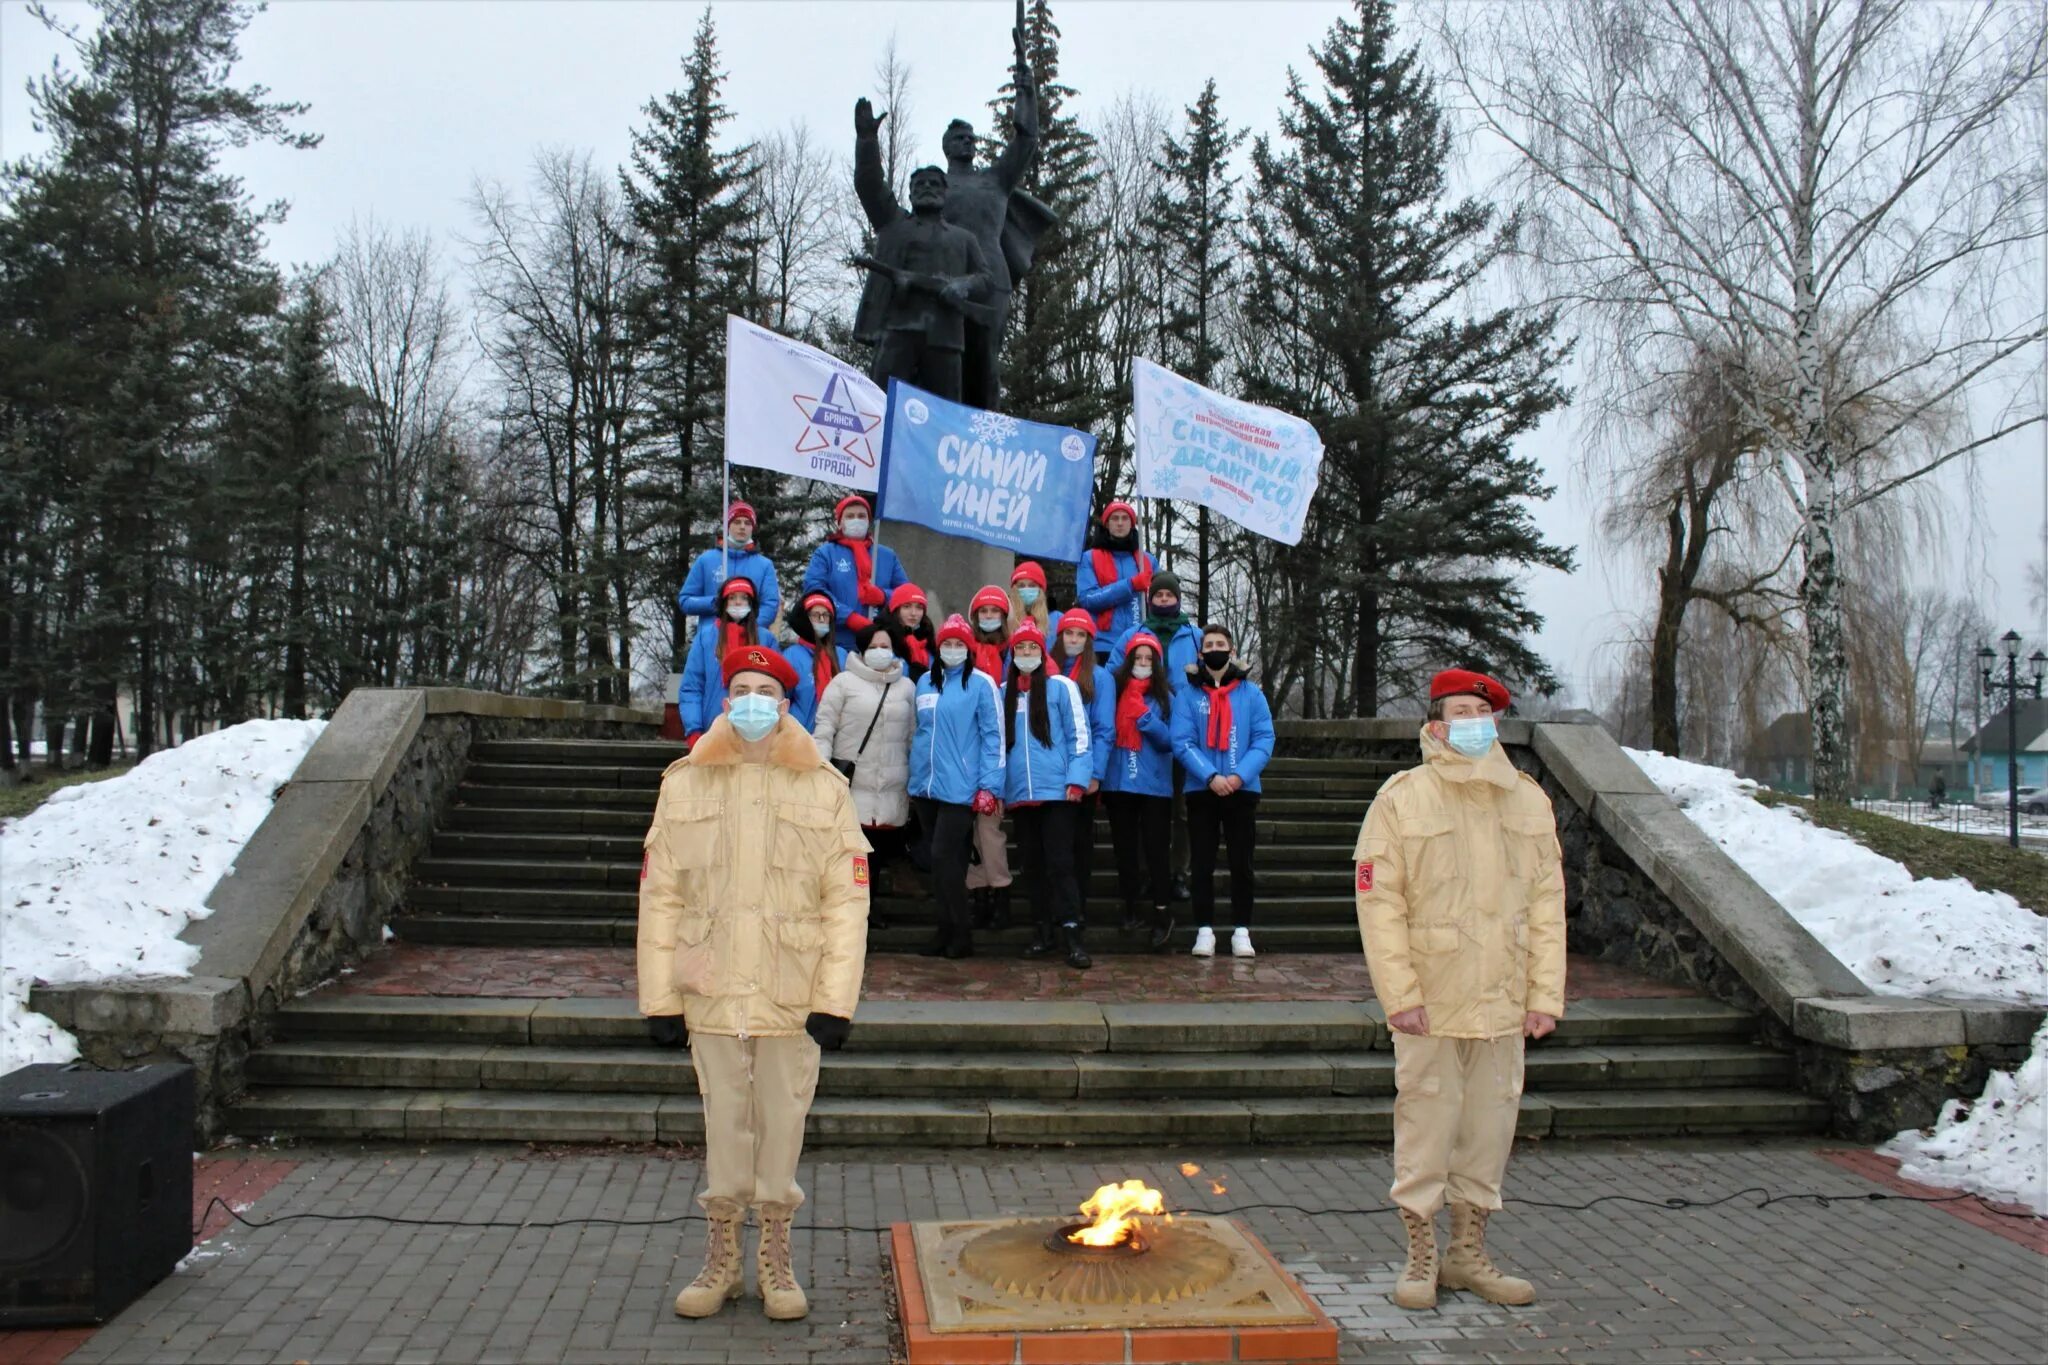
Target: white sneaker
1241, 943
1205, 942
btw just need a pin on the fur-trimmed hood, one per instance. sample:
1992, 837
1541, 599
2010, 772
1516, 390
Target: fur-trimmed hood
1234, 671
789, 746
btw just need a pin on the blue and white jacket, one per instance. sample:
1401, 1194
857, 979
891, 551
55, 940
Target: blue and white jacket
1148, 769
1101, 713
832, 573
699, 594
701, 696
958, 748
1043, 772
1183, 648
1251, 730
1124, 604
803, 657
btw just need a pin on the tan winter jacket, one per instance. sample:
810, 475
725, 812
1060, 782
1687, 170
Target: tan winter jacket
1460, 885
753, 889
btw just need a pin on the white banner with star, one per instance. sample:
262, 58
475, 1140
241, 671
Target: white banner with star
797, 410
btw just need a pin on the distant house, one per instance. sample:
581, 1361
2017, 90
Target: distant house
1781, 755
1992, 751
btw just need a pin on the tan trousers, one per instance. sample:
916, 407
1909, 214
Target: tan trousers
1455, 1105
994, 867
757, 1093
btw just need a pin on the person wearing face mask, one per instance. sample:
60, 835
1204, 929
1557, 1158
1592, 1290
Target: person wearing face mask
1223, 736
1137, 786
910, 628
1114, 579
1460, 889
735, 556
865, 722
1072, 656
956, 775
1027, 598
857, 574
738, 623
752, 936
813, 653
1182, 641
1046, 776
988, 876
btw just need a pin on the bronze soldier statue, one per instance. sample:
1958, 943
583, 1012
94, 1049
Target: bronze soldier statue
923, 278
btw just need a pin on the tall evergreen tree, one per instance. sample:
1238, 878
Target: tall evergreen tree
1049, 374
1360, 269
1196, 221
690, 202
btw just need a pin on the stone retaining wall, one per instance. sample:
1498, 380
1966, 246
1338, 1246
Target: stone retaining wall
314, 887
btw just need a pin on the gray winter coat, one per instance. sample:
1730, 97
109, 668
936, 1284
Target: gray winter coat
881, 782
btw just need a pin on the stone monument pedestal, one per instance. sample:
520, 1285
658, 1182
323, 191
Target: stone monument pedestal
948, 568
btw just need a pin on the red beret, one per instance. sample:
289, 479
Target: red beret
1119, 506
1073, 618
1028, 572
1459, 682
760, 659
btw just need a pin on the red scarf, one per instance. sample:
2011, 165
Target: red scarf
1071, 668
1130, 708
823, 660
919, 655
736, 635
1105, 572
863, 560
989, 659
1219, 715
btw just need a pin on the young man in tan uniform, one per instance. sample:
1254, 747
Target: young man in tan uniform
753, 930
1460, 887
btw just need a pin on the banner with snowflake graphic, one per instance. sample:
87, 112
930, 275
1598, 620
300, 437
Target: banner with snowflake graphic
1256, 465
1022, 486
795, 409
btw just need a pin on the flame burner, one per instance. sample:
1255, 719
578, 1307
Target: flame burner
1038, 1262
1067, 1242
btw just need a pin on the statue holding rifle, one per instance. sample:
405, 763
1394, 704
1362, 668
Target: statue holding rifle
985, 204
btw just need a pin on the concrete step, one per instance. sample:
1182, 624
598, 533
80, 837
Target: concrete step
657, 754
616, 822
644, 777
577, 847
1276, 906
449, 1114
1702, 1033
564, 797
1281, 873
904, 935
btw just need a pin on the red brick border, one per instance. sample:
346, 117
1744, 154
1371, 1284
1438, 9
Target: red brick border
1312, 1342
238, 1180
2030, 1232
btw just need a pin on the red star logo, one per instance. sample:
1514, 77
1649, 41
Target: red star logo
833, 422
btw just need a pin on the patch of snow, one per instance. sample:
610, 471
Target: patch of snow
98, 881
1902, 935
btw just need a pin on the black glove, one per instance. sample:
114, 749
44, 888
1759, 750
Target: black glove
668, 1030
828, 1031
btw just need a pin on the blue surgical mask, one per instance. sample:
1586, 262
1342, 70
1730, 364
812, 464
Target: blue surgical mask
1028, 594
754, 715
1473, 735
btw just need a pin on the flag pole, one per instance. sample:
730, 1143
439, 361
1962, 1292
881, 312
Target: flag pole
724, 520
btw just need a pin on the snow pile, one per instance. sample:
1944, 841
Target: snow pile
98, 881
1903, 936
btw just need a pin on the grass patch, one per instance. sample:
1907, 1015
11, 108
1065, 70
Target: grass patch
1937, 853
37, 784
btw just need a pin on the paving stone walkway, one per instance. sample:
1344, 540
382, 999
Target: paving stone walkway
1622, 1282
425, 969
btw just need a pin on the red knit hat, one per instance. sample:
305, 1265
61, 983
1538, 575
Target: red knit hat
1028, 572
1119, 506
992, 597
822, 598
1459, 682
839, 508
955, 628
759, 659
905, 594
741, 509
739, 583
1028, 633
1150, 641
1073, 618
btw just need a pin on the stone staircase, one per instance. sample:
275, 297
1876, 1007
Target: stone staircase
543, 848
992, 1072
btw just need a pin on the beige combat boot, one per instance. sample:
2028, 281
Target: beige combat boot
724, 1276
782, 1298
1417, 1286
1466, 1266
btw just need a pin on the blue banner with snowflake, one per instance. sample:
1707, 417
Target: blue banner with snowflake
1023, 486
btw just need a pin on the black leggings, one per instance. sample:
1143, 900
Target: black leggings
1045, 846
949, 831
1233, 820
1142, 827
1084, 848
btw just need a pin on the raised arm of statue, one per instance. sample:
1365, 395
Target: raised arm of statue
870, 183
1022, 148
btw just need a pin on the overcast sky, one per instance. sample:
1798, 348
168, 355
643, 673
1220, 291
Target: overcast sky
417, 99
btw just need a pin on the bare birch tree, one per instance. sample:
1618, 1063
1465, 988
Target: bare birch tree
799, 274
1843, 191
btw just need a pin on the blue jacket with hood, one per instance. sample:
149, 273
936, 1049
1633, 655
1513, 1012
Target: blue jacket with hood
1148, 769
958, 747
699, 593
832, 572
1043, 772
1250, 744
701, 696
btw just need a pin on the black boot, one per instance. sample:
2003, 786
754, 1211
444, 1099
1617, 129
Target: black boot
1132, 924
1077, 952
959, 947
984, 907
998, 908
1044, 943
940, 941
1180, 889
1162, 929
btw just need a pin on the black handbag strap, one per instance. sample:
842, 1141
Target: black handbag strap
873, 721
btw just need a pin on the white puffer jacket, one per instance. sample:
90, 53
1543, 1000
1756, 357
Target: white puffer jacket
881, 782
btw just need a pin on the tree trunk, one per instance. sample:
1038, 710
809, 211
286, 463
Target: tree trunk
1671, 604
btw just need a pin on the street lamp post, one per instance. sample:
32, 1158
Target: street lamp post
2013, 689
